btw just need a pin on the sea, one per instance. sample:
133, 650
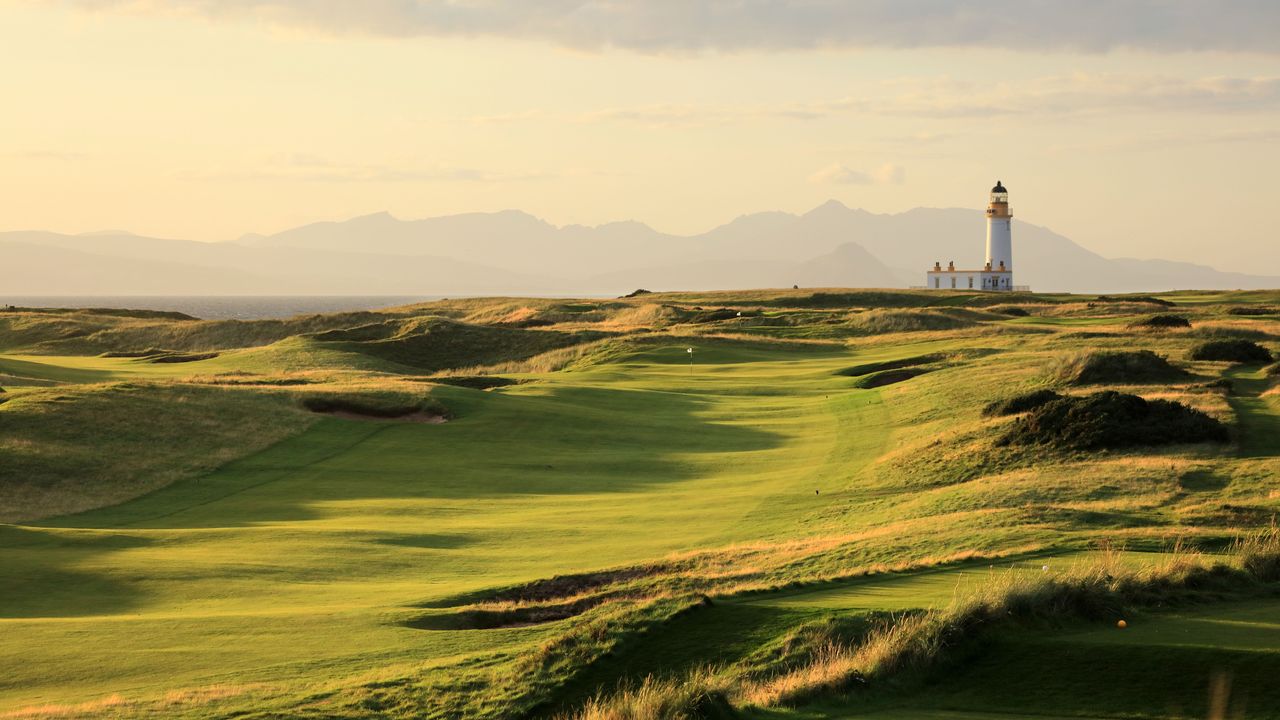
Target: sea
223, 307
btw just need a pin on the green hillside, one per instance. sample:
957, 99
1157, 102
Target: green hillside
502, 508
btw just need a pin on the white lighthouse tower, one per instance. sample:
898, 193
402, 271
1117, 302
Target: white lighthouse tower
1000, 233
997, 273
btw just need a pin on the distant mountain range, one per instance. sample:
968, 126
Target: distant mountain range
512, 252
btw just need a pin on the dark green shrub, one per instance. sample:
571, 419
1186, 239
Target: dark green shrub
1113, 420
1253, 310
1020, 403
1239, 351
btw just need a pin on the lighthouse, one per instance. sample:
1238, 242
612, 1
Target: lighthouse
997, 273
999, 232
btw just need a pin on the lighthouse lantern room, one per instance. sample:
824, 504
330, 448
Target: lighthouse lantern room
997, 273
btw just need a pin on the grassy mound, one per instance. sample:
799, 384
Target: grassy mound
1113, 420
1237, 351
69, 449
1120, 367
436, 343
75, 332
1011, 310
1162, 322
879, 322
105, 312
1020, 403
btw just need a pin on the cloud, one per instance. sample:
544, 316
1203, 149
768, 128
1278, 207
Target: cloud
665, 26
837, 174
889, 174
948, 98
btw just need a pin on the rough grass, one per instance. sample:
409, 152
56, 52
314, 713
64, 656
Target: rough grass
699, 697
1113, 420
434, 344
67, 450
76, 332
1236, 351
1119, 367
876, 322
1249, 310
905, 649
1020, 403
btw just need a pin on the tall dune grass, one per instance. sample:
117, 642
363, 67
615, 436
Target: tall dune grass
907, 646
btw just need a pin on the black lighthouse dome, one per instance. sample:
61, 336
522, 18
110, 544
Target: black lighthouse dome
999, 188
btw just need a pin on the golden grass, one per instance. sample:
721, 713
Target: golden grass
657, 699
1100, 587
171, 701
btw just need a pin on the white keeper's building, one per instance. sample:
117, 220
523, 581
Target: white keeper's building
997, 274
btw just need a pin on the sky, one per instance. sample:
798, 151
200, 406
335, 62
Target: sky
1138, 128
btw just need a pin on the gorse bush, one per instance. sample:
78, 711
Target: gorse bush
1237, 351
1119, 367
1020, 403
1112, 419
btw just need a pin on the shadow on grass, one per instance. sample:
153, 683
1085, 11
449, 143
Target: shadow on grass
566, 440
40, 580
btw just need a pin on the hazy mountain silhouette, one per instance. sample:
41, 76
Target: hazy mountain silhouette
512, 252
